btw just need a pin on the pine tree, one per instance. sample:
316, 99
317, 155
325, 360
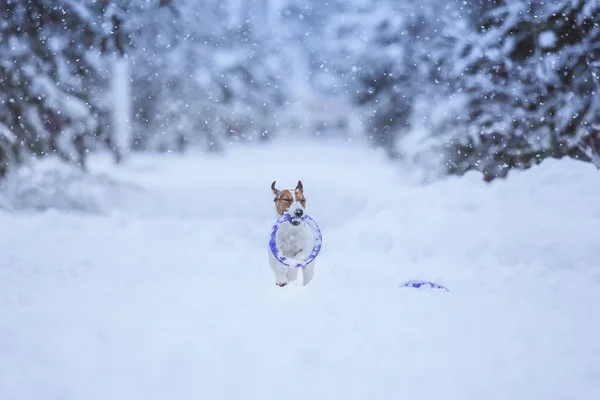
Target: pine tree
531, 86
49, 70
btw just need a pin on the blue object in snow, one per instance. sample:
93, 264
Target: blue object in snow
292, 262
420, 284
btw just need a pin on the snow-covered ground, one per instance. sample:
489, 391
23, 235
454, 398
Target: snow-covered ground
168, 295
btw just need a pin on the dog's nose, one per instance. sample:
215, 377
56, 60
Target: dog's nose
298, 213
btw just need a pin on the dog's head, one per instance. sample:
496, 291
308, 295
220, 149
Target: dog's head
290, 201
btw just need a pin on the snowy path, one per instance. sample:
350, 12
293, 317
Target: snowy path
173, 298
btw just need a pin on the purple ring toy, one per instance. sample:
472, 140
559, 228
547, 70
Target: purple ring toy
291, 262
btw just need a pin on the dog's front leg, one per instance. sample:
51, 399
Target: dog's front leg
279, 270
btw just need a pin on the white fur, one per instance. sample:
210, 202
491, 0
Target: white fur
294, 242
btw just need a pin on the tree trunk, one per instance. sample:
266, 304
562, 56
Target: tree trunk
120, 141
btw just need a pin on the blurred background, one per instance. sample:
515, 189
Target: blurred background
449, 85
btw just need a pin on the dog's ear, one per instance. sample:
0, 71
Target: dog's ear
299, 187
275, 191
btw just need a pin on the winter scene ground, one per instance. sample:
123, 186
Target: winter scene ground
164, 291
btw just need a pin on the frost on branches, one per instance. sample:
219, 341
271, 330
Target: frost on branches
52, 76
530, 76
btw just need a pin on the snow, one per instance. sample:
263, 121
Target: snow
6, 133
547, 39
174, 298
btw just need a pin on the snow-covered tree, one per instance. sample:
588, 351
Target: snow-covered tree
51, 77
211, 77
389, 57
486, 84
531, 81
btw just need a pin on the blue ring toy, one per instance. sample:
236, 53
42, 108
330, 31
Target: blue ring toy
290, 262
420, 284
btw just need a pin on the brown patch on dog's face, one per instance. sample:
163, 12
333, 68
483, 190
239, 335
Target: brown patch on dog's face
285, 198
283, 201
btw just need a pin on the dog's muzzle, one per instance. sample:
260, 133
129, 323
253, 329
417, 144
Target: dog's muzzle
297, 216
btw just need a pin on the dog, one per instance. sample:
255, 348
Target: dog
294, 240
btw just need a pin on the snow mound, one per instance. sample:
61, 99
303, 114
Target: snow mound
52, 186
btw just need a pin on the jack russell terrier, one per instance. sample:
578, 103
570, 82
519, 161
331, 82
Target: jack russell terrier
294, 240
